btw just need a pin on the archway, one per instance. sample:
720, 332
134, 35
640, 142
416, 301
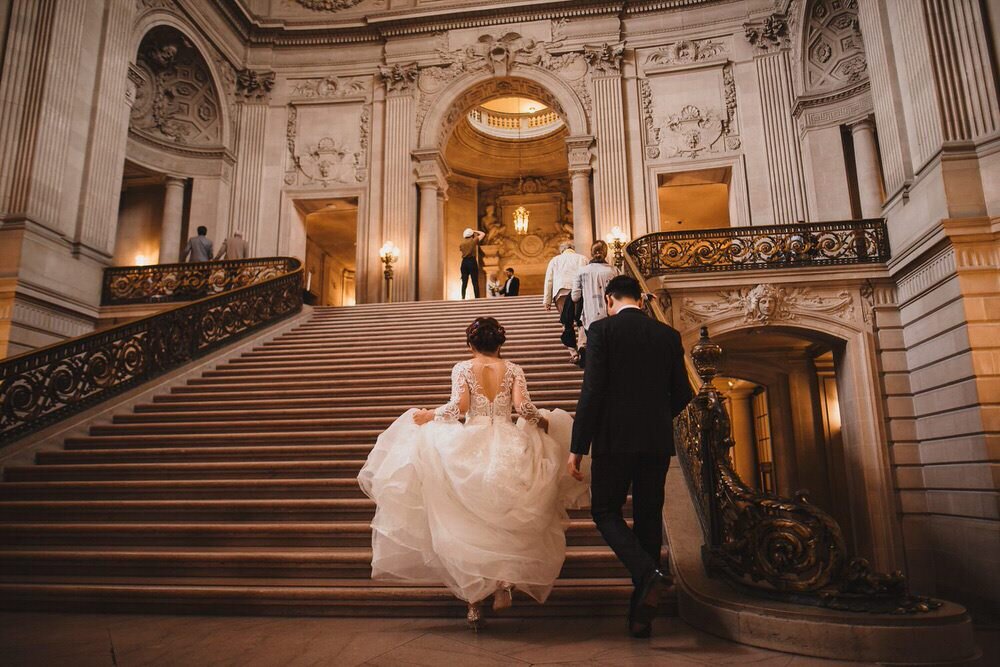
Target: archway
448, 115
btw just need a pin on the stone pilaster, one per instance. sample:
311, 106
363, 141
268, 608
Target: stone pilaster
611, 191
774, 80
866, 162
109, 129
253, 91
579, 173
369, 274
398, 224
432, 181
173, 220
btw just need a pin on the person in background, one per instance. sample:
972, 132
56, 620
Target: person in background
513, 285
494, 288
470, 259
559, 277
198, 248
588, 292
233, 247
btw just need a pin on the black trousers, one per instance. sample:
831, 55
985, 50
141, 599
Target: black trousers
470, 269
567, 317
638, 548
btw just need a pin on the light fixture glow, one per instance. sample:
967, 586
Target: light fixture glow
389, 252
521, 220
141, 260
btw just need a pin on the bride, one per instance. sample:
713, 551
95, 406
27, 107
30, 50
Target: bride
477, 506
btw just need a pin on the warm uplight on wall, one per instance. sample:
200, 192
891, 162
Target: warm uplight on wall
617, 240
142, 260
521, 220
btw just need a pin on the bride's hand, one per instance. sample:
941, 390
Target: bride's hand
421, 417
543, 424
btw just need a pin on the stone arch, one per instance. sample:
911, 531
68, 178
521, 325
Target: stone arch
220, 76
829, 48
465, 91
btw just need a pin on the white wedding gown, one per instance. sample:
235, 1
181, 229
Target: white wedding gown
475, 505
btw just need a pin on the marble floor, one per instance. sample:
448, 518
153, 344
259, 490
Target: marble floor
82, 640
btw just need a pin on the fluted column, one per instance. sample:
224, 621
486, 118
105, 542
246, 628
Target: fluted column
431, 178
611, 193
106, 149
579, 172
173, 221
781, 142
866, 162
398, 224
253, 92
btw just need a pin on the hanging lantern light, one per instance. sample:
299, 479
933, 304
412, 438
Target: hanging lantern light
521, 220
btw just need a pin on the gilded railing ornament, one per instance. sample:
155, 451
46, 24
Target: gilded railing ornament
164, 283
43, 386
768, 247
781, 548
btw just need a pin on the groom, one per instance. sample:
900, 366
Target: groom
634, 385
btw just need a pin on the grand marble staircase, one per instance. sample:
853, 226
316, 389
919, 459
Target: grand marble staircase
236, 492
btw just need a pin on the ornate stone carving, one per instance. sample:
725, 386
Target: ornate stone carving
254, 85
328, 5
529, 247
330, 160
175, 99
687, 51
652, 136
605, 59
770, 34
331, 87
835, 54
767, 303
698, 130
695, 130
399, 78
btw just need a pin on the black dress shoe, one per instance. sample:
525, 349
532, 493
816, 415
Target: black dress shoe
638, 630
648, 600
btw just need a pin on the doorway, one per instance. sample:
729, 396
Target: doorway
330, 266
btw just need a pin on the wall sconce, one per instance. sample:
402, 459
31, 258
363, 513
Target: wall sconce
521, 220
617, 240
142, 260
388, 254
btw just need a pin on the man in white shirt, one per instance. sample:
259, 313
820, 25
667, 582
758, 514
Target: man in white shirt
559, 278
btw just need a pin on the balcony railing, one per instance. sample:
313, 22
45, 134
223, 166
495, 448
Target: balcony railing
43, 386
770, 247
165, 283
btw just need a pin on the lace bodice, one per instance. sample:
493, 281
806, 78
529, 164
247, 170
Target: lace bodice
512, 395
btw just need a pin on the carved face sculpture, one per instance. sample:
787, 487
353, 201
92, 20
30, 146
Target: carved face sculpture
764, 303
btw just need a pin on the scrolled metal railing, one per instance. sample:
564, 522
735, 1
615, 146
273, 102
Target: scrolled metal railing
774, 246
781, 548
165, 283
43, 386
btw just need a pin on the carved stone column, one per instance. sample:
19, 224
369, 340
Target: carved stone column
432, 181
398, 224
868, 173
744, 455
173, 220
611, 193
579, 172
253, 90
771, 42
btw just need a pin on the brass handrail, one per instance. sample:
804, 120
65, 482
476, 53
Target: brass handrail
186, 281
766, 247
43, 386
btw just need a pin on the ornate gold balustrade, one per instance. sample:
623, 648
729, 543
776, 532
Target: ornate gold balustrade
44, 386
780, 548
774, 246
164, 283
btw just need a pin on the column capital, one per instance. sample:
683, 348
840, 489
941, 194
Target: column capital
578, 153
606, 59
175, 181
769, 34
254, 85
860, 124
399, 78
431, 169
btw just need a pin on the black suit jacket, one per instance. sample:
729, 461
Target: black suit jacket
634, 385
513, 288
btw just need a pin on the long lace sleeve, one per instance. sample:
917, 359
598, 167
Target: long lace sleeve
452, 410
521, 400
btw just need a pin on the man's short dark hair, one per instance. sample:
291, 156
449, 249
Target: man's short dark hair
509, 269
623, 287
202, 230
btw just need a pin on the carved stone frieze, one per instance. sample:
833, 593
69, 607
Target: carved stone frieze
253, 85
767, 303
331, 87
331, 159
770, 34
606, 59
652, 132
328, 5
399, 78
686, 52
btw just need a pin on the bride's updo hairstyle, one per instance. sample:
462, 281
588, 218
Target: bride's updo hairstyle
485, 335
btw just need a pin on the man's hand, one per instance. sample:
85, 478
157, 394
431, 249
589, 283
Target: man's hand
421, 417
573, 466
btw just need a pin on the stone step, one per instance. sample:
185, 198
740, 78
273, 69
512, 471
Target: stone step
82, 453
185, 403
332, 387
283, 469
209, 489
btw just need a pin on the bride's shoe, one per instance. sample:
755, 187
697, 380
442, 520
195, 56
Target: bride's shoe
474, 617
504, 597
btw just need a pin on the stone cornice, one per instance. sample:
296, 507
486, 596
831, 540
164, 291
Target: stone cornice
821, 99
